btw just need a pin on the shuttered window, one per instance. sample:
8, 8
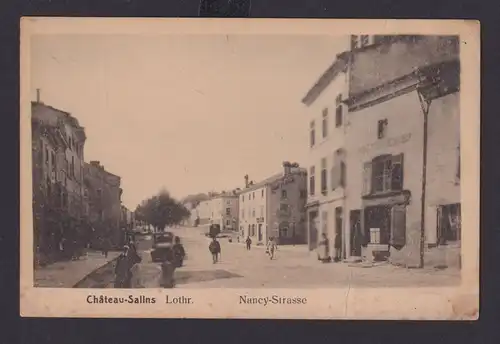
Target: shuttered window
386, 173
324, 188
312, 181
398, 226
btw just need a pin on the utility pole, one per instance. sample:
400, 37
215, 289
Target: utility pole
425, 104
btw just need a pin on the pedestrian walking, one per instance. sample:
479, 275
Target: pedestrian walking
271, 247
214, 249
324, 249
249, 243
179, 252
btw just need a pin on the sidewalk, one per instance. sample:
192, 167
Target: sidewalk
68, 273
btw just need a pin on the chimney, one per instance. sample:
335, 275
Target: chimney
38, 95
246, 181
286, 168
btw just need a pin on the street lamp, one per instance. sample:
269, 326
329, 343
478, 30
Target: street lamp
434, 82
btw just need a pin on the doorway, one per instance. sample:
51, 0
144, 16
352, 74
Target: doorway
338, 231
355, 220
260, 231
313, 230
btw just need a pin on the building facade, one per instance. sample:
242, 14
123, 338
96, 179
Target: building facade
403, 150
399, 151
59, 204
275, 207
326, 163
105, 212
224, 211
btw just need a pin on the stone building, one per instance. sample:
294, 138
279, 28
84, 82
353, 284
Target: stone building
403, 149
399, 158
275, 207
105, 212
59, 206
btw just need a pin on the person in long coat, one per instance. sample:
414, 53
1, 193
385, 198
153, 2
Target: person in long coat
122, 269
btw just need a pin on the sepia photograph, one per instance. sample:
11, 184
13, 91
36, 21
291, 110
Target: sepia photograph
244, 168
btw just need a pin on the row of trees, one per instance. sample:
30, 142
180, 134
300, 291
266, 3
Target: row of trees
161, 211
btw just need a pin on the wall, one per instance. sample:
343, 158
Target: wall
398, 59
404, 135
443, 187
250, 201
109, 202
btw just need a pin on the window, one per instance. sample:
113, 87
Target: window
262, 193
324, 123
338, 111
382, 128
253, 195
228, 211
228, 223
312, 181
253, 212
324, 190
303, 194
283, 194
242, 213
243, 198
449, 223
261, 211
312, 134
253, 230
386, 174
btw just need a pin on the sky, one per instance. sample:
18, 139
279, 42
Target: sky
189, 113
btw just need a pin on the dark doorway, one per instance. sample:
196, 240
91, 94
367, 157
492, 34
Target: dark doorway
356, 235
260, 231
338, 230
313, 230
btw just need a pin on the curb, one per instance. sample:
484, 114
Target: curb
87, 276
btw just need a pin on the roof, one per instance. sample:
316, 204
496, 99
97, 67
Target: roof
271, 180
338, 65
71, 119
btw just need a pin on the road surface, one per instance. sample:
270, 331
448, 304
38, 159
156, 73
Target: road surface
293, 267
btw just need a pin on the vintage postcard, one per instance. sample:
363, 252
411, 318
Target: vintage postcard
259, 168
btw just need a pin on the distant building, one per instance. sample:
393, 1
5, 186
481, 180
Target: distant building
275, 207
104, 193
59, 204
224, 211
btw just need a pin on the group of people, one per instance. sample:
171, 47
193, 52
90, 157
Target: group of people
129, 258
324, 249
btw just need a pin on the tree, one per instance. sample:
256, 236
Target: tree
162, 210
